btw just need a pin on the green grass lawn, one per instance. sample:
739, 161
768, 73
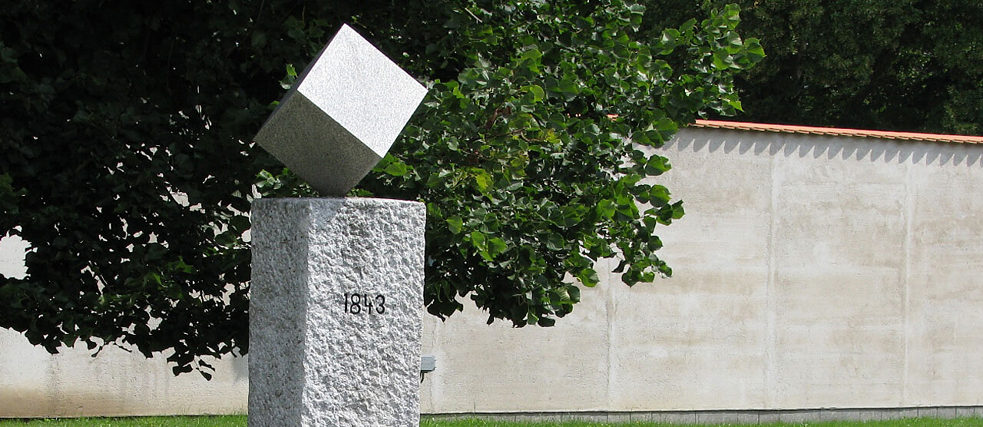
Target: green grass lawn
217, 421
240, 420
912, 422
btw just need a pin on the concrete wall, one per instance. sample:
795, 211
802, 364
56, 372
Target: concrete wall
34, 383
810, 272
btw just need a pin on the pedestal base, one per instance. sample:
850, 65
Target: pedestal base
335, 312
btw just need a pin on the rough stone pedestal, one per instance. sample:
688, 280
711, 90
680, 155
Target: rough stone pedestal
335, 312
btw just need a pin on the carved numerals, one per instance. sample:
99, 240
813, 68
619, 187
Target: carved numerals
356, 303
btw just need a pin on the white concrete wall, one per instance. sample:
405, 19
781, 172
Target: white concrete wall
34, 383
810, 272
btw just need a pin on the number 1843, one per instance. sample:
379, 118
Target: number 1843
365, 303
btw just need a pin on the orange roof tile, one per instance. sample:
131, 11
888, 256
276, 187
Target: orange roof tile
813, 130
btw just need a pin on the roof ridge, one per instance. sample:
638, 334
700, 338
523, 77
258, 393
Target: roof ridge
816, 130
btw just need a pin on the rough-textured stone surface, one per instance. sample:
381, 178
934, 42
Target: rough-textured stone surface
341, 115
313, 361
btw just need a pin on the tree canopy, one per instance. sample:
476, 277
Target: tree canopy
129, 169
905, 65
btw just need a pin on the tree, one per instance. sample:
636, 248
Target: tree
907, 65
130, 170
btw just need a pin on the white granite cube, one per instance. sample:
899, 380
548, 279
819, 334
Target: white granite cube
341, 115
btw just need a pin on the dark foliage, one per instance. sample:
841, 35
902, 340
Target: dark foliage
128, 166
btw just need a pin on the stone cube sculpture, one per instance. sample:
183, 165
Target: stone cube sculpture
341, 115
337, 283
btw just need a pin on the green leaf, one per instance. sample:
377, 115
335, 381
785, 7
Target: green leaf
538, 94
480, 243
754, 49
482, 180
496, 246
574, 214
396, 168
656, 165
290, 77
555, 242
531, 54
574, 293
455, 223
677, 210
588, 277
606, 208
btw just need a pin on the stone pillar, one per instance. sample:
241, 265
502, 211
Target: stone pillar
335, 312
